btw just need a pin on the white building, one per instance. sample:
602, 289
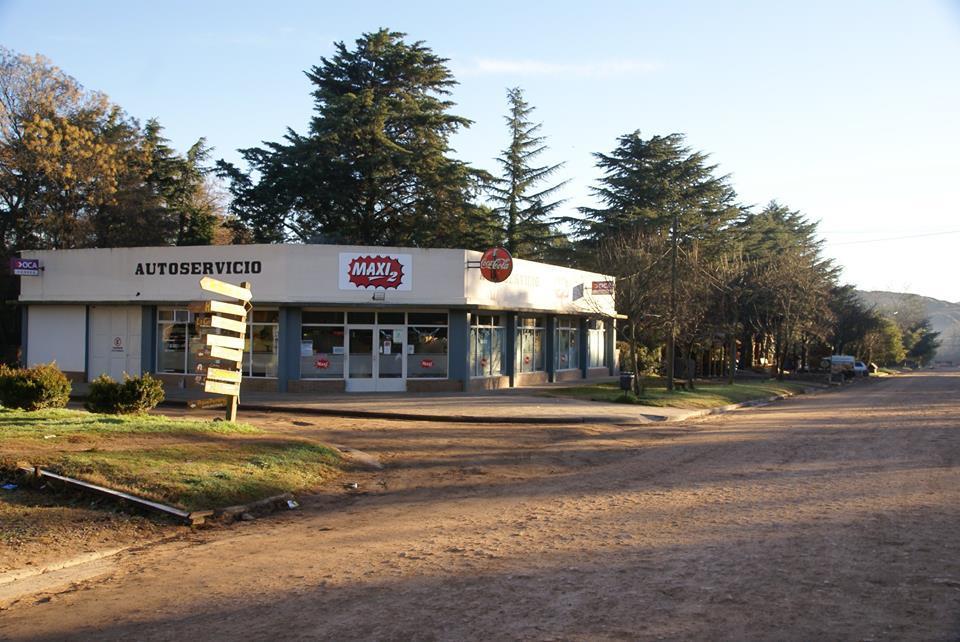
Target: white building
325, 318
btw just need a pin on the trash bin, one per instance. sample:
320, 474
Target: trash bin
626, 381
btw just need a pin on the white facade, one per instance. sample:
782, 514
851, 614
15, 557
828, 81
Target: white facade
58, 333
325, 317
291, 274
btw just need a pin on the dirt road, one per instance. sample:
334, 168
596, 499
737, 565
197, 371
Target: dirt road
835, 516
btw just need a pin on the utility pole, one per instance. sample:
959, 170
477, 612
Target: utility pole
672, 339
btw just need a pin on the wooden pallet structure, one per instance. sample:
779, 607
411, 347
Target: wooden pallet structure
224, 325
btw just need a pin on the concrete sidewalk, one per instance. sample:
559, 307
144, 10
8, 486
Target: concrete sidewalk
522, 405
514, 405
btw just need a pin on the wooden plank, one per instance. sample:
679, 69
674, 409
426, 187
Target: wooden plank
224, 323
220, 352
220, 307
219, 388
116, 494
222, 340
220, 374
226, 289
207, 402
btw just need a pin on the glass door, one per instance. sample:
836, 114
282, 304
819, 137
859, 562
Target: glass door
390, 358
360, 360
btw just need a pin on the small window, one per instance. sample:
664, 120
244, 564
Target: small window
361, 317
396, 318
427, 318
325, 317
266, 316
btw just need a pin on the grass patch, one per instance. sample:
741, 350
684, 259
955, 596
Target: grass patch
706, 394
23, 424
186, 463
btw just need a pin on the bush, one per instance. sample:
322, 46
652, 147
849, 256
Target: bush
135, 395
42, 386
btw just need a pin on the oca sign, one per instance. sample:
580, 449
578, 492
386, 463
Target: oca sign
25, 267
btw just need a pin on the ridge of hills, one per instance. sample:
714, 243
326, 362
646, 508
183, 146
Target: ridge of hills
944, 316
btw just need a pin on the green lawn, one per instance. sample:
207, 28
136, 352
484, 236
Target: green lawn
189, 464
706, 394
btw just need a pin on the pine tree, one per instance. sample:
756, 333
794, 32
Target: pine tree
525, 209
375, 165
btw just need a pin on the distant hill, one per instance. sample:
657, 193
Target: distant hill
944, 316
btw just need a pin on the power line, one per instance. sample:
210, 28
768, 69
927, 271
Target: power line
895, 238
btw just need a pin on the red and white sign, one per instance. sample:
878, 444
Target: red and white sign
378, 271
602, 287
426, 363
322, 363
496, 264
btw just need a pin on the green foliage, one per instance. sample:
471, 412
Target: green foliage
375, 165
134, 396
885, 344
77, 171
646, 183
921, 342
523, 206
36, 388
648, 359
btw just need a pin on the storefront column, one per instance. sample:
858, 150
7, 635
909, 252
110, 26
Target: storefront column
511, 348
610, 341
550, 347
459, 347
148, 339
24, 311
582, 346
288, 356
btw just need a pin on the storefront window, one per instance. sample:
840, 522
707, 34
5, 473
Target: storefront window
487, 345
596, 344
530, 344
261, 345
426, 352
567, 353
322, 350
172, 336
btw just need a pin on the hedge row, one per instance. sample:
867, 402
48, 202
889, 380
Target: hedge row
45, 386
36, 388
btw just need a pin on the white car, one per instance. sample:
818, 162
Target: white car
860, 369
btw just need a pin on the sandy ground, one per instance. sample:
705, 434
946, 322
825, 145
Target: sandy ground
833, 516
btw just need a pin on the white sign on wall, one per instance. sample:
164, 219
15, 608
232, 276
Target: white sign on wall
376, 271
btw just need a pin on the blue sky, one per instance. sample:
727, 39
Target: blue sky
847, 111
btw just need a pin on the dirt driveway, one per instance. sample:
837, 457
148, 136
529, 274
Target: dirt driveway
826, 517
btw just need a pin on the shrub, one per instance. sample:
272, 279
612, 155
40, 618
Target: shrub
42, 386
135, 395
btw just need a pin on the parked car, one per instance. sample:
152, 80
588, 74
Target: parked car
840, 364
860, 369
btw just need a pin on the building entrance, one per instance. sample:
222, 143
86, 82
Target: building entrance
375, 358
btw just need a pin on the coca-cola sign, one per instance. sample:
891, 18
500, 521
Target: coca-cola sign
376, 271
496, 264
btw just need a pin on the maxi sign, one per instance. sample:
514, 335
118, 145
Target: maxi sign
376, 271
224, 325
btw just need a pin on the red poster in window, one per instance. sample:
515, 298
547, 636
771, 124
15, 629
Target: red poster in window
426, 363
322, 363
